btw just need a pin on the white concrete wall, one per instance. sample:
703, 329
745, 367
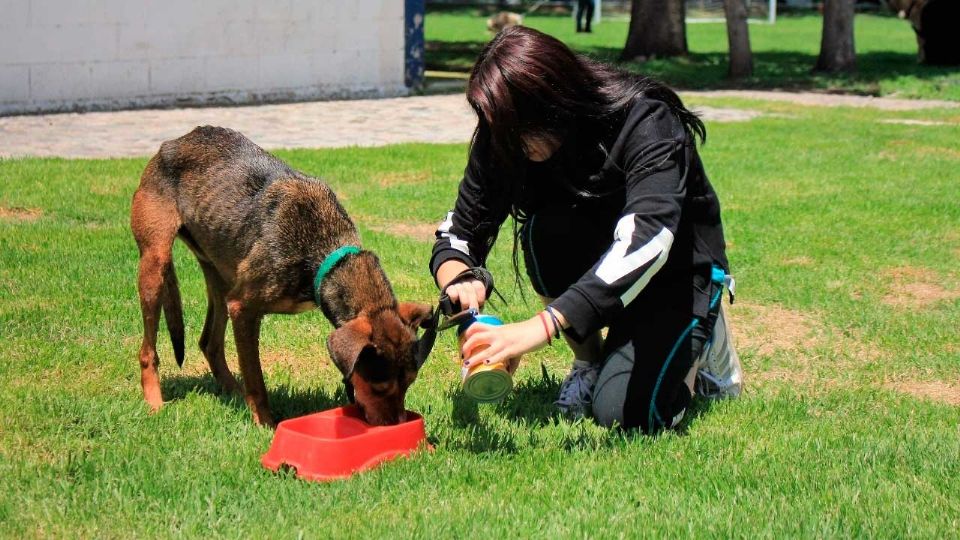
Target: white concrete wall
59, 55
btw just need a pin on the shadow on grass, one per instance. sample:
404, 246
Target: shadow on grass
530, 402
527, 418
530, 418
285, 402
699, 407
528, 406
706, 71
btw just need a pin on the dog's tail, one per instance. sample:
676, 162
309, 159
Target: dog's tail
173, 312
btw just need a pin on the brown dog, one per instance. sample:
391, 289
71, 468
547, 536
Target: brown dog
260, 231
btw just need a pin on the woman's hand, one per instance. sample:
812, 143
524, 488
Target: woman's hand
469, 294
505, 342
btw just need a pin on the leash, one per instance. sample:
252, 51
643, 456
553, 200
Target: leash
422, 350
453, 312
445, 307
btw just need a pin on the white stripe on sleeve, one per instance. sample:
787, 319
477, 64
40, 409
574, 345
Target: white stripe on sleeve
455, 242
616, 263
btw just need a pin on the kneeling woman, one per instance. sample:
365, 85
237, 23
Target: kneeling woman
618, 224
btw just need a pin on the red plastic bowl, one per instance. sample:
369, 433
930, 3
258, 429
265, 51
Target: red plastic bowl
338, 443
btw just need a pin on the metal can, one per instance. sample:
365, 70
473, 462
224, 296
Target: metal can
485, 383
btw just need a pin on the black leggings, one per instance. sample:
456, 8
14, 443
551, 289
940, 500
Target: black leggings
650, 346
641, 382
585, 7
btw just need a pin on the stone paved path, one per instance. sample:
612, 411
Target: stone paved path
436, 119
291, 125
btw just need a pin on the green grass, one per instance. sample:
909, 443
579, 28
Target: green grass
820, 206
784, 54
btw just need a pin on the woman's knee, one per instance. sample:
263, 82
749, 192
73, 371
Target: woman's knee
610, 392
616, 401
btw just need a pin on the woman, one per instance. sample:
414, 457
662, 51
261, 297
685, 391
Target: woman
584, 7
619, 227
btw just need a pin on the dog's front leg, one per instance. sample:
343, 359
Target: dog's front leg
246, 333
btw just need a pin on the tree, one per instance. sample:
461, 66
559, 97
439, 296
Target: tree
657, 28
836, 45
738, 36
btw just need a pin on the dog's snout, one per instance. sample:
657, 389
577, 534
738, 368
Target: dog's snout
384, 418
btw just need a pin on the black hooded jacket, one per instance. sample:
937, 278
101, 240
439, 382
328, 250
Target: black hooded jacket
645, 179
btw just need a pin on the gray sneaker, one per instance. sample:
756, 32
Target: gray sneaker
720, 374
576, 391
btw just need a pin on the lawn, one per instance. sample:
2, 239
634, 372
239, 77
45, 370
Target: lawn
844, 234
784, 54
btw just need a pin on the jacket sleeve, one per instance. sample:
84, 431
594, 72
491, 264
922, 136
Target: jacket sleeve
655, 170
468, 232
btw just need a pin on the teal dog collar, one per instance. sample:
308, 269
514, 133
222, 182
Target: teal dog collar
327, 265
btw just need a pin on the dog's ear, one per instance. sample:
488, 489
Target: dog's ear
347, 342
414, 314
370, 366
423, 316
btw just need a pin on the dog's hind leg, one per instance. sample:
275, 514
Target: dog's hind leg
214, 329
155, 221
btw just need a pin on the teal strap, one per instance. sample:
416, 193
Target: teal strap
717, 274
327, 265
721, 279
663, 371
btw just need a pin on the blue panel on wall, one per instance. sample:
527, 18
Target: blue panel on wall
414, 64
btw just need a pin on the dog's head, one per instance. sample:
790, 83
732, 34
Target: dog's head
378, 358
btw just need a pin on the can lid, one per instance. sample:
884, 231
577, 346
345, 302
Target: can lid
488, 386
483, 318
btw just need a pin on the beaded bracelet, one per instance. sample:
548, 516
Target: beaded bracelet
556, 322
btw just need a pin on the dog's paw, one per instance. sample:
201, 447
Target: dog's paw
265, 419
154, 401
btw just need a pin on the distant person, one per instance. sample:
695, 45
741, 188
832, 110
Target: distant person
584, 7
618, 225
504, 19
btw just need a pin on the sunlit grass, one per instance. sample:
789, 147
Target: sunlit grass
819, 206
784, 54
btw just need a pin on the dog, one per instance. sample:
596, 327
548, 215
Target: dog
504, 19
261, 231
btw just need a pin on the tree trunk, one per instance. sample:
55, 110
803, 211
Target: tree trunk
836, 45
657, 28
738, 36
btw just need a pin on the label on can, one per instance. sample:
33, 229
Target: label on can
486, 383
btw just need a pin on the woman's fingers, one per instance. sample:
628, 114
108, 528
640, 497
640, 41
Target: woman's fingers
453, 291
469, 294
481, 292
476, 334
482, 339
490, 355
502, 342
464, 296
476, 328
497, 346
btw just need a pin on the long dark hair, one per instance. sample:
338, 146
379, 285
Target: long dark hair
527, 83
